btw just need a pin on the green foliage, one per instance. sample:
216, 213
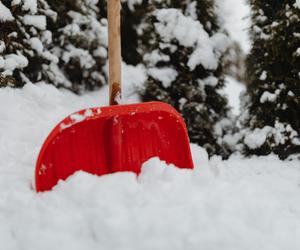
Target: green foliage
22, 54
274, 77
192, 89
80, 43
234, 62
184, 65
63, 43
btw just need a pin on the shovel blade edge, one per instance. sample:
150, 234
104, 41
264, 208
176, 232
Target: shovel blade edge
113, 139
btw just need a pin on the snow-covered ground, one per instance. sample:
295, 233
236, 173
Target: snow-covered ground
235, 204
238, 204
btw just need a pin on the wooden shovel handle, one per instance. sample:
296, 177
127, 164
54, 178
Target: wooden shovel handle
114, 50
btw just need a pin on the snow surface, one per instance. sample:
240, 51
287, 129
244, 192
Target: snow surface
235, 204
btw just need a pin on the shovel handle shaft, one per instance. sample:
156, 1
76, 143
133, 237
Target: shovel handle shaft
114, 50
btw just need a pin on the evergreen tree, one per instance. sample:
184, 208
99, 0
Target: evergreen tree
24, 41
132, 13
182, 48
60, 42
80, 43
272, 103
135, 11
234, 62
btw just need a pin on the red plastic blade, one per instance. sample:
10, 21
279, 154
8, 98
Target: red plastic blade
111, 139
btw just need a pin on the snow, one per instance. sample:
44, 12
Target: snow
76, 118
165, 75
233, 89
155, 56
234, 204
100, 52
15, 2
30, 5
280, 134
36, 44
133, 79
297, 4
172, 24
2, 46
5, 14
11, 62
257, 137
192, 10
85, 59
263, 76
37, 21
96, 29
210, 81
268, 97
235, 15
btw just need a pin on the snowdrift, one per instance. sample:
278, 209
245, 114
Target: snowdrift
235, 204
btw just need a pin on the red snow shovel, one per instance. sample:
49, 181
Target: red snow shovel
116, 138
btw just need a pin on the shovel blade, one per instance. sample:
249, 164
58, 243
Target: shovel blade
113, 139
